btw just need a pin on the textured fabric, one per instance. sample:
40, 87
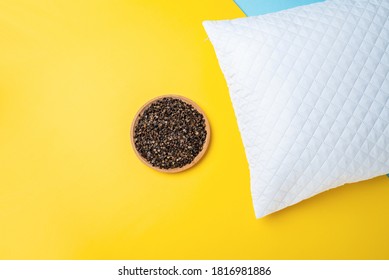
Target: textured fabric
310, 90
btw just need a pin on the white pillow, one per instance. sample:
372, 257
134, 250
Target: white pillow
310, 90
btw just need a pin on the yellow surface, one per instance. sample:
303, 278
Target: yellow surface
72, 76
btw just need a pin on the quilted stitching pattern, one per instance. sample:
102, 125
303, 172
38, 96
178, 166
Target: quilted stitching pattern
310, 90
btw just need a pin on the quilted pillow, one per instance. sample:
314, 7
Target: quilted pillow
310, 90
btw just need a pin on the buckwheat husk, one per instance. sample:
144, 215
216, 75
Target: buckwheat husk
170, 133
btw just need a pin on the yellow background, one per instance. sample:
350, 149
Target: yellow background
72, 76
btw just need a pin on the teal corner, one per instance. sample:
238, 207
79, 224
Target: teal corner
260, 7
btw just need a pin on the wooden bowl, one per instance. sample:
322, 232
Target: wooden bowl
196, 159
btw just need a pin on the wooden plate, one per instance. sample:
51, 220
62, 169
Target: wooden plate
196, 159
